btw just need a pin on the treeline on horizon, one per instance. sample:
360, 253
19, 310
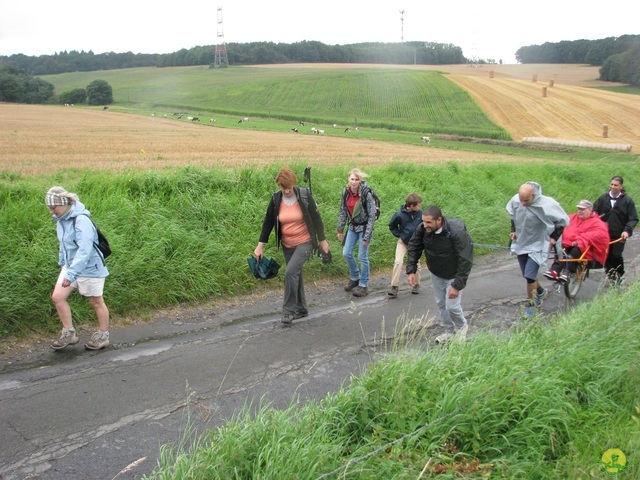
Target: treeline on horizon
592, 52
256, 53
619, 58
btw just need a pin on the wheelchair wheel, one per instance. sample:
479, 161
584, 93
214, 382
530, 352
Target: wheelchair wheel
572, 287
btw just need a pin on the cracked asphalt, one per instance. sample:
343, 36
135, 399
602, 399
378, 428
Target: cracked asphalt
75, 414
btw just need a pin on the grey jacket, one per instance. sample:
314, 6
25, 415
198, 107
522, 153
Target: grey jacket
364, 216
535, 224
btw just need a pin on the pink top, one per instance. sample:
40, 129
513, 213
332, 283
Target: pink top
294, 230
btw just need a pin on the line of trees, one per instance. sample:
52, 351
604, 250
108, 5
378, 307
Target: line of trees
592, 52
624, 67
619, 57
421, 53
18, 86
256, 53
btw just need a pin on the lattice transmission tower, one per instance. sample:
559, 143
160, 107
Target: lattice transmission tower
221, 59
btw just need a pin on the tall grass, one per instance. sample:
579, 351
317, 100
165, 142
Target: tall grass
389, 98
184, 235
542, 401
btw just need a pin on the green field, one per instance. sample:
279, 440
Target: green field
396, 99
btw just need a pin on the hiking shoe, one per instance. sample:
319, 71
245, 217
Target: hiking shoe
551, 275
540, 297
287, 319
461, 333
530, 312
444, 338
300, 315
67, 337
98, 340
351, 285
416, 290
393, 293
360, 291
563, 277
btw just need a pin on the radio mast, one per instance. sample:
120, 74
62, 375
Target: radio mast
221, 59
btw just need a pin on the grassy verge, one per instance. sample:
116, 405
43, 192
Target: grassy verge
184, 235
531, 403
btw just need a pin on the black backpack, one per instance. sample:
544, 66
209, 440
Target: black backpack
103, 244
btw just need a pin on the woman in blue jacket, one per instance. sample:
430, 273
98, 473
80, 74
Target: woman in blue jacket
82, 267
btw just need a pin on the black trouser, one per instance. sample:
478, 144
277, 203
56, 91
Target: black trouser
615, 262
572, 252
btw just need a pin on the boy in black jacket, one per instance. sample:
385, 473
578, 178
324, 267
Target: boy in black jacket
402, 225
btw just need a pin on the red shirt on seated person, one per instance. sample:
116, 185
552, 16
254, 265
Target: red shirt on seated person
586, 229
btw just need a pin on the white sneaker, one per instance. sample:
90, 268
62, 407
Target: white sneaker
67, 337
98, 340
444, 338
461, 333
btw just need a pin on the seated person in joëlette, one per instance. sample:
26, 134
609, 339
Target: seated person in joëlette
586, 231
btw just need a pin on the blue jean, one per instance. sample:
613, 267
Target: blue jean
451, 314
361, 274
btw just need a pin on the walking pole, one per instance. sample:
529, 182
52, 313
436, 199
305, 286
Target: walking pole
307, 178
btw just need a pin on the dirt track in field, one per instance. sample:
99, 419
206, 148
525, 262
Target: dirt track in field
44, 139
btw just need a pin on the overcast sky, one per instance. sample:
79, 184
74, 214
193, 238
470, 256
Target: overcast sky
493, 29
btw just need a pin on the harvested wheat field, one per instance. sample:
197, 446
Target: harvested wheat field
44, 139
570, 110
567, 112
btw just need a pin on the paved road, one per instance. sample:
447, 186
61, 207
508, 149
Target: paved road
76, 414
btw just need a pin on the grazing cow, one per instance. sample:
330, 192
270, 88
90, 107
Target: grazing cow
103, 108
301, 123
294, 130
212, 120
245, 119
190, 119
347, 130
357, 128
335, 125
426, 139
314, 130
320, 132
195, 119
180, 116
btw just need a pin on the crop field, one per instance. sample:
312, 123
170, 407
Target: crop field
45, 139
567, 112
39, 139
420, 101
